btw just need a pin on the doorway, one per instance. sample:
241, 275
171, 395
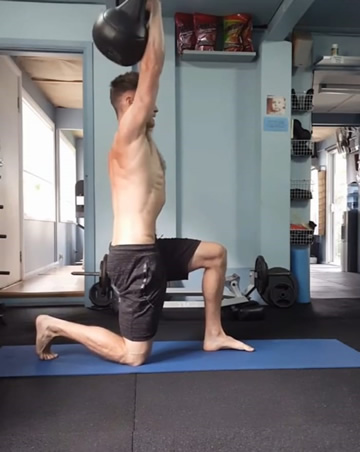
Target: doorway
334, 208
337, 206
49, 103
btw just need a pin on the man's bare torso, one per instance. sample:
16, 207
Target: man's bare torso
137, 176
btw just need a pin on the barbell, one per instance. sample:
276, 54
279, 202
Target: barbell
101, 294
276, 286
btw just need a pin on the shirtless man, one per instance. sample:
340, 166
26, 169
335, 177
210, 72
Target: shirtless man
140, 264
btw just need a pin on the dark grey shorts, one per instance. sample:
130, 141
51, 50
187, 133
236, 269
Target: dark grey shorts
140, 274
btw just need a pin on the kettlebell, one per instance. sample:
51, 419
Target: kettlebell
121, 33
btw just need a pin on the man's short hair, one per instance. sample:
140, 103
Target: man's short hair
122, 84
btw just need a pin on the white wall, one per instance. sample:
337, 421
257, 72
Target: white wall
39, 244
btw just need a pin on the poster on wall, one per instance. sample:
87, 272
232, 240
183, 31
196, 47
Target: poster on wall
276, 106
275, 119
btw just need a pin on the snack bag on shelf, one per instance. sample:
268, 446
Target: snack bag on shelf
246, 35
205, 31
238, 33
233, 27
185, 34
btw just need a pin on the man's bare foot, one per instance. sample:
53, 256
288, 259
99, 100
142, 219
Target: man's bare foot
44, 336
221, 342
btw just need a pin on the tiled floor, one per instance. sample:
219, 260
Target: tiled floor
328, 281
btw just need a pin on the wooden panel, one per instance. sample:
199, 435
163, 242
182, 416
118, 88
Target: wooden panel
322, 203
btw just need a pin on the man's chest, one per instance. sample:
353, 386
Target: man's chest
157, 160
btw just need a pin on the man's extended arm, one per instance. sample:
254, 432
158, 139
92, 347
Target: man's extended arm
155, 50
149, 75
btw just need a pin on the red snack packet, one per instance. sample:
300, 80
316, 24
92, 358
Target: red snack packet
205, 31
237, 33
185, 35
246, 35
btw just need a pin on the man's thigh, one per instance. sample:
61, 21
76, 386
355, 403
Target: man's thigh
177, 254
138, 276
139, 315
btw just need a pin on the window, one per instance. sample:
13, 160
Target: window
38, 164
67, 169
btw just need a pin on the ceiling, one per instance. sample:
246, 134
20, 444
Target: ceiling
329, 15
332, 16
77, 133
261, 10
59, 78
336, 103
322, 133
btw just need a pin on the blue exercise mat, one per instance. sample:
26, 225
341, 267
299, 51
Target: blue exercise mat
21, 361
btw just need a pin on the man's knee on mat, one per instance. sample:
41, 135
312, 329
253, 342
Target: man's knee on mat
135, 360
136, 353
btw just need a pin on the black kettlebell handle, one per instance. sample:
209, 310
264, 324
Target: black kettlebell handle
136, 9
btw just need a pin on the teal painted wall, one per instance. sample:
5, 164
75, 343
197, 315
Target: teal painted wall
274, 165
167, 133
219, 157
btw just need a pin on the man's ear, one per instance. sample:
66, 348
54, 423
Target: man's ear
129, 100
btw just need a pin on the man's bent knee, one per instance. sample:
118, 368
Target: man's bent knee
135, 360
222, 252
209, 255
220, 255
136, 353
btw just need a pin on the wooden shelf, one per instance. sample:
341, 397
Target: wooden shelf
218, 56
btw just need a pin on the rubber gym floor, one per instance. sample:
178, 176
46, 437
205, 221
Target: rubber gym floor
252, 411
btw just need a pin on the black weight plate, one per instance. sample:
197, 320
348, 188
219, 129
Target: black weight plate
291, 276
282, 294
265, 296
277, 279
100, 297
261, 275
288, 279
